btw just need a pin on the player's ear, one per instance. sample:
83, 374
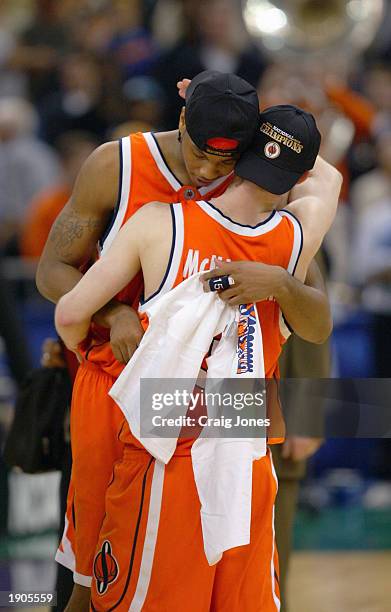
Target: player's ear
182, 122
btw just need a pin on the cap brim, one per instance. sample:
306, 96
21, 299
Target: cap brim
265, 174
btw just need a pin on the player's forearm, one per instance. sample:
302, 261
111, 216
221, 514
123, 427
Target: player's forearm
306, 310
109, 313
72, 334
55, 279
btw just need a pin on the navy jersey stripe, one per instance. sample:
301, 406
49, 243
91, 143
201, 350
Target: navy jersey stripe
116, 209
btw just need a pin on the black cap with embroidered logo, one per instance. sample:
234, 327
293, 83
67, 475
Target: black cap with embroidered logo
285, 147
222, 113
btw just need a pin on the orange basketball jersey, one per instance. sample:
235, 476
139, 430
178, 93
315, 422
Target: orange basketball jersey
145, 177
202, 234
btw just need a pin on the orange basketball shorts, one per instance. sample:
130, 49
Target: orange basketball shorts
150, 553
95, 424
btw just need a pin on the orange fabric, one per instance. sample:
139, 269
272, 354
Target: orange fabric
98, 429
95, 449
152, 525
209, 238
355, 106
361, 112
205, 239
40, 218
95, 417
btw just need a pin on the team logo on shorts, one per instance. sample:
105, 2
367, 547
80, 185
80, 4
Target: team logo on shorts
105, 568
272, 150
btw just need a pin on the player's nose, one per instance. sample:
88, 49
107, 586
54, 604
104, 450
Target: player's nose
208, 172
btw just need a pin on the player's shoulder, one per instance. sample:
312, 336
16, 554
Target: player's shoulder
150, 223
155, 212
154, 216
300, 208
104, 160
97, 184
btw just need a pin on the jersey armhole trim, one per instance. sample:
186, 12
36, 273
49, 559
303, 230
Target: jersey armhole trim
118, 215
174, 260
297, 241
285, 329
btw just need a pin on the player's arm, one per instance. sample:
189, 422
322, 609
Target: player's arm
314, 202
74, 235
305, 306
77, 229
72, 242
102, 281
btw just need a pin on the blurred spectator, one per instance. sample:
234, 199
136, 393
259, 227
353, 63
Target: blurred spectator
40, 47
74, 148
12, 332
93, 30
132, 46
169, 22
215, 39
129, 127
27, 165
145, 100
12, 83
374, 186
78, 103
377, 86
372, 257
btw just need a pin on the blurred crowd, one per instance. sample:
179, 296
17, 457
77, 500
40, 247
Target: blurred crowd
78, 72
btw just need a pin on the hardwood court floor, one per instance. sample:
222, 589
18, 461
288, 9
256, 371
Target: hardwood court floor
340, 582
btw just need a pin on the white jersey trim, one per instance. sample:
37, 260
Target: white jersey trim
124, 187
151, 533
81, 579
159, 160
297, 241
67, 556
242, 230
295, 255
272, 568
209, 188
168, 174
175, 258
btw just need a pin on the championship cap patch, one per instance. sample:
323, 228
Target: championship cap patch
272, 150
285, 147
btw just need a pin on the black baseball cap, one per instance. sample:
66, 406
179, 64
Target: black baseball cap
222, 113
285, 147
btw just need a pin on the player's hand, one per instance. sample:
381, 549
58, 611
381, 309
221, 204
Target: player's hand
125, 334
298, 448
182, 87
253, 281
52, 355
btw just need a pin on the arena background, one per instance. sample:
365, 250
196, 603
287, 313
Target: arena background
75, 73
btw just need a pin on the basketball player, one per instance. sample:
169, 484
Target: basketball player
221, 112
150, 552
197, 160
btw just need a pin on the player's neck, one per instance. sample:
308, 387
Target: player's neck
171, 151
246, 203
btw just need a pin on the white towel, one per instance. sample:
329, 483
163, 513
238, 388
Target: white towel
182, 324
